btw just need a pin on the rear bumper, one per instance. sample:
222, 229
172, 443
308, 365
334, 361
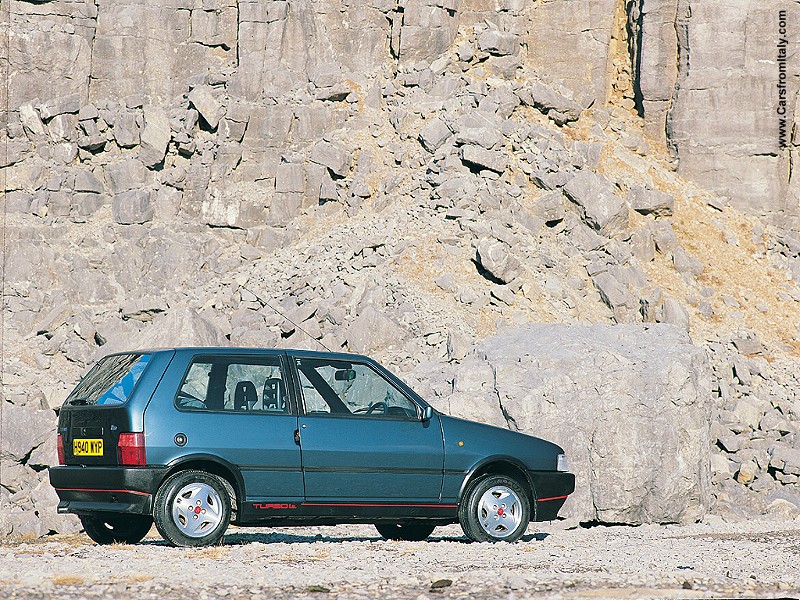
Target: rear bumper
551, 489
106, 489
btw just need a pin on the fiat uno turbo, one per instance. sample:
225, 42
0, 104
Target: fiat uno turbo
197, 438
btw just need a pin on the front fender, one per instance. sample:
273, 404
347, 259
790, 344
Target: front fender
499, 463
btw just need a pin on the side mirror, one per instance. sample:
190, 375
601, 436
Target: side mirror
427, 414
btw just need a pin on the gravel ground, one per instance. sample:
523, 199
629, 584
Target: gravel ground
709, 560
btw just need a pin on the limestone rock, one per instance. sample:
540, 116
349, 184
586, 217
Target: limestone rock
155, 136
550, 207
85, 204
483, 159
290, 178
732, 156
434, 134
664, 236
675, 314
425, 29
177, 327
685, 263
133, 206
498, 42
599, 205
616, 296
31, 429
58, 106
18, 202
206, 104
372, 331
561, 31
85, 181
786, 460
652, 202
30, 120
485, 137
547, 100
126, 130
495, 256
126, 175
332, 155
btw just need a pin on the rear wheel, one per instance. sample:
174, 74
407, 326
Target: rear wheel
192, 508
410, 531
495, 509
116, 528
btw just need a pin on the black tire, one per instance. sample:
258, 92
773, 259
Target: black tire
495, 508
116, 528
410, 531
192, 508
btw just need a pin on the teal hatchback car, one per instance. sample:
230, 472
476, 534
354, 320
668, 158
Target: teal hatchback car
196, 438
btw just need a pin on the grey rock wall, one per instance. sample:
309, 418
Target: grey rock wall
707, 76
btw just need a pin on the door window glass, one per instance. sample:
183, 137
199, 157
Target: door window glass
234, 384
344, 388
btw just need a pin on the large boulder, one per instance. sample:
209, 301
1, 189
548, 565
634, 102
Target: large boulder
31, 428
630, 404
178, 327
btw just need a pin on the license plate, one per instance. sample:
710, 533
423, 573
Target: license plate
87, 447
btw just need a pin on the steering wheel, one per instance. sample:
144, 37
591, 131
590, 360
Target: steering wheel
368, 410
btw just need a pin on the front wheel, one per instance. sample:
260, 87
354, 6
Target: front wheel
192, 508
116, 528
410, 531
495, 509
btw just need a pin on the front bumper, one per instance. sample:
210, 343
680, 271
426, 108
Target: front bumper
551, 489
106, 489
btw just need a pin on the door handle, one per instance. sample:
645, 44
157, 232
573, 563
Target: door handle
297, 436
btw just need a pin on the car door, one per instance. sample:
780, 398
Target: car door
362, 439
234, 407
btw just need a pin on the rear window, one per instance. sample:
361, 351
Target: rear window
110, 381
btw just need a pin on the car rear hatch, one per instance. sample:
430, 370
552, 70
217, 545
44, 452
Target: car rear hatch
94, 424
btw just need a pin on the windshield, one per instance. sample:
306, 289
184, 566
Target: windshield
110, 381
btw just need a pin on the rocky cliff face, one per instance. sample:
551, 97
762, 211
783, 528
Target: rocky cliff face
720, 81
715, 81
402, 179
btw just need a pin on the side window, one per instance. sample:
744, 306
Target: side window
237, 384
344, 388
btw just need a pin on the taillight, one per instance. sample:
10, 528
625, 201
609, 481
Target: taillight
130, 449
60, 449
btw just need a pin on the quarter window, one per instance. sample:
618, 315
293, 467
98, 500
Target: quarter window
343, 388
234, 384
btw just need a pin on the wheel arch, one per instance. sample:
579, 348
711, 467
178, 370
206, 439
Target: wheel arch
214, 465
501, 465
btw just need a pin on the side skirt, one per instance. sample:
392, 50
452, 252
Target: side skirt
329, 513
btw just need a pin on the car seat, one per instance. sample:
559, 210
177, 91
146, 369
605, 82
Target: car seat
273, 395
245, 396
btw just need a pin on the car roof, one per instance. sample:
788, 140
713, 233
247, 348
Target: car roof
233, 350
